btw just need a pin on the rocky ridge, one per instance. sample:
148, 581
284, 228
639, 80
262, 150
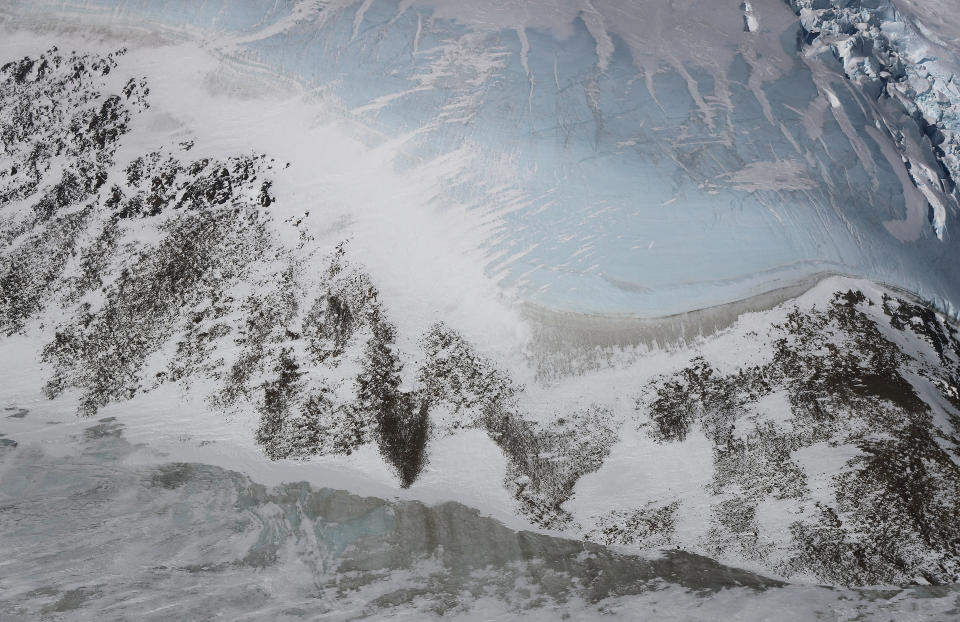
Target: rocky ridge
313, 352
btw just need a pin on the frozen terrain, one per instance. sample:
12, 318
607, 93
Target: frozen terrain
667, 298
98, 527
645, 157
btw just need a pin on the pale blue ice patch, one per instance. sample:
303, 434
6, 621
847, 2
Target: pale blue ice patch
638, 193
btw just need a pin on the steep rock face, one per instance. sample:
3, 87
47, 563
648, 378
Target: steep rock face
174, 272
59, 133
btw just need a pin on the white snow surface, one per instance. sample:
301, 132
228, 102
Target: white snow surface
167, 427
618, 211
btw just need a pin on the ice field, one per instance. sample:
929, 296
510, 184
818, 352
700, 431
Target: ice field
463, 309
646, 159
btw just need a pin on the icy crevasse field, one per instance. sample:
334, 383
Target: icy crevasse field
432, 253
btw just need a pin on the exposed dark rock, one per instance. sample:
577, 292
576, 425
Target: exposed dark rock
104, 350
846, 383
649, 527
314, 353
402, 417
30, 271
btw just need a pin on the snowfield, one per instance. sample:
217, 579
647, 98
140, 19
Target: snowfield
627, 291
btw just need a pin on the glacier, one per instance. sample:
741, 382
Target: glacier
454, 309
645, 160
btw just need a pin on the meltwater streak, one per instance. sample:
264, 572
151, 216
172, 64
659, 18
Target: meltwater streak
640, 158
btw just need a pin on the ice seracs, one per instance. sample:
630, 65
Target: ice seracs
887, 51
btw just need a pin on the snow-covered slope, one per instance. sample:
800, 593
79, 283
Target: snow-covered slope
359, 235
109, 526
134, 270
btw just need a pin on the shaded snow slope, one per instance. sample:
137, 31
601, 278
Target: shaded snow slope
162, 538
